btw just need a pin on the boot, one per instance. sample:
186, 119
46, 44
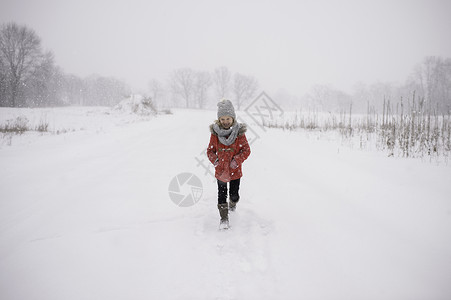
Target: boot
232, 205
224, 213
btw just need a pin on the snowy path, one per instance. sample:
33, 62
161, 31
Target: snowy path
88, 216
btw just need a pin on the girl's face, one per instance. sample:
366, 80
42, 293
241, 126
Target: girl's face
226, 121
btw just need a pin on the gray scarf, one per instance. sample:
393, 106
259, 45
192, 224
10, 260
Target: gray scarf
222, 133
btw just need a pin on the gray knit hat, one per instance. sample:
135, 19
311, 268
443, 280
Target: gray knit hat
225, 108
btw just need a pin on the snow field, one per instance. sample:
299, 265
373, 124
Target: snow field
361, 225
86, 215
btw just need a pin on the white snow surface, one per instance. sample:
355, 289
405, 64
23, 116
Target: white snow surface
87, 215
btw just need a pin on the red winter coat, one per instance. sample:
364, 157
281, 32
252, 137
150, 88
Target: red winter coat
239, 151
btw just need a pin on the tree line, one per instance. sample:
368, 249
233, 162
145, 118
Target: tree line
193, 89
29, 76
429, 81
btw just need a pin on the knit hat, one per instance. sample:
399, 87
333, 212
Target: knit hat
225, 108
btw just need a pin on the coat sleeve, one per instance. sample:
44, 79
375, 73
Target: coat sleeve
245, 150
212, 149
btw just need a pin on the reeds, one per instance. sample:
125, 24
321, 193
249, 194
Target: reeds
409, 128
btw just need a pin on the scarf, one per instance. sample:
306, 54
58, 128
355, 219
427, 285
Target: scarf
222, 133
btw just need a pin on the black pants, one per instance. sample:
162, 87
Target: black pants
233, 192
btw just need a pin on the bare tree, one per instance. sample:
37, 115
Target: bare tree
326, 98
222, 78
244, 88
320, 96
202, 82
40, 86
432, 81
181, 83
106, 91
3, 82
73, 90
156, 90
20, 49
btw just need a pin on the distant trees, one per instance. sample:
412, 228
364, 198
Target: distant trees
432, 82
326, 98
91, 91
376, 94
181, 83
156, 90
195, 88
222, 78
202, 82
29, 76
244, 88
43, 86
103, 91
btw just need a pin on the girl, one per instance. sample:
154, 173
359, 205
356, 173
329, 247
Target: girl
227, 150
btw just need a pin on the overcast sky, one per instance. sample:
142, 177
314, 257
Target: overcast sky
286, 44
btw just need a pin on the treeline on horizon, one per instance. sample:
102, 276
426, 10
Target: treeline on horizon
29, 77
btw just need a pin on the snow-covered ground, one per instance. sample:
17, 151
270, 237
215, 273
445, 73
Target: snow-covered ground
87, 215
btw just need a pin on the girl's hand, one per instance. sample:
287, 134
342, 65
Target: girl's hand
233, 164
